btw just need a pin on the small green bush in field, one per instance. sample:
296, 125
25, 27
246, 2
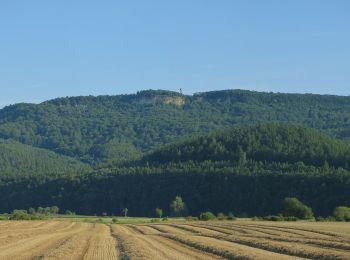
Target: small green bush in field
342, 213
190, 218
221, 216
290, 219
273, 218
206, 216
19, 214
292, 207
231, 216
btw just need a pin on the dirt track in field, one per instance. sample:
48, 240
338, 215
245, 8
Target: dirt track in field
185, 240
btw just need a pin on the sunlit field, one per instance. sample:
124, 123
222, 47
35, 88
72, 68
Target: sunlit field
143, 239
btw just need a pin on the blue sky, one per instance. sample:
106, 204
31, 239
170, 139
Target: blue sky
65, 48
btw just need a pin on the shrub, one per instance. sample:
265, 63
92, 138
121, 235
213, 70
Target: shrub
155, 220
159, 212
19, 214
273, 218
292, 207
231, 216
206, 216
221, 216
320, 219
342, 213
190, 218
114, 220
330, 218
165, 219
290, 219
4, 218
68, 212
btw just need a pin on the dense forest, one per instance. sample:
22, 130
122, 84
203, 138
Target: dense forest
109, 130
18, 159
247, 170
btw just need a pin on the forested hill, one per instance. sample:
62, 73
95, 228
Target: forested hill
110, 129
248, 170
19, 160
281, 143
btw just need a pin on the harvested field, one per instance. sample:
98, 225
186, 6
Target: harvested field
180, 240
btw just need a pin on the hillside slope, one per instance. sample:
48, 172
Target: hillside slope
248, 170
264, 142
110, 129
17, 160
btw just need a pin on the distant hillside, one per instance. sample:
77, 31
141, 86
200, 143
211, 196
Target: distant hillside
110, 129
264, 142
17, 160
248, 170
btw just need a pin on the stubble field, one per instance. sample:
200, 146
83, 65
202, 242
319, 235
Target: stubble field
180, 240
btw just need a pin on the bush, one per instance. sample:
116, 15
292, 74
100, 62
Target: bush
68, 212
165, 219
290, 219
4, 218
221, 216
342, 213
155, 220
231, 216
205, 216
19, 214
114, 220
190, 218
327, 219
273, 218
292, 207
256, 218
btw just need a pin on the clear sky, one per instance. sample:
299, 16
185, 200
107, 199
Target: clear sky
78, 47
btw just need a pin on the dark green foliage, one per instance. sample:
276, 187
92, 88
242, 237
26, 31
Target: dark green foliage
205, 216
112, 129
342, 213
265, 142
19, 159
325, 219
54, 210
231, 216
292, 207
20, 214
290, 218
248, 170
190, 218
68, 212
277, 218
257, 189
273, 218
